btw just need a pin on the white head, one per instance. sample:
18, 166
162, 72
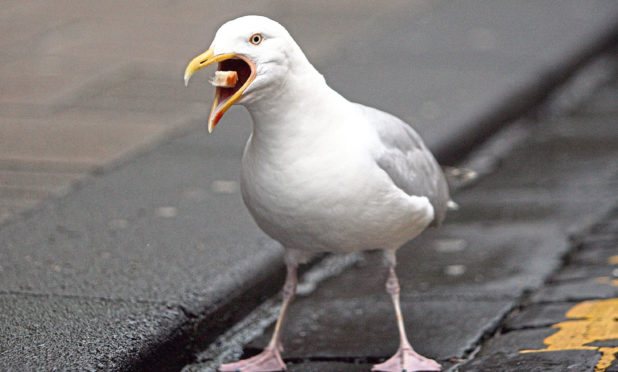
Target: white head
260, 50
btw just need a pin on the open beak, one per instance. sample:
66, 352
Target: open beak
224, 97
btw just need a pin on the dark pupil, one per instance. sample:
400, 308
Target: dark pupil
256, 39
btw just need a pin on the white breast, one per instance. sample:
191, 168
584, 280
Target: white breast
323, 191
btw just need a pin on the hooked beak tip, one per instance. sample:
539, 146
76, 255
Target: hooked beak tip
197, 63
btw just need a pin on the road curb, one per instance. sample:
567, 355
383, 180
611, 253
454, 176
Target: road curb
196, 325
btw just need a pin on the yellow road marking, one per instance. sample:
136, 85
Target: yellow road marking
613, 260
596, 321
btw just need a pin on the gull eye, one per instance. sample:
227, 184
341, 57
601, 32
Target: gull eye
255, 39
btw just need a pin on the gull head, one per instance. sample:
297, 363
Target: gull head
259, 50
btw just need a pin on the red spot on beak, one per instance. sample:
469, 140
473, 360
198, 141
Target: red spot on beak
218, 117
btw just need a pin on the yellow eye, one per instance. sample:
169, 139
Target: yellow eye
255, 39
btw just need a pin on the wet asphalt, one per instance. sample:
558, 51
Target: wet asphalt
151, 257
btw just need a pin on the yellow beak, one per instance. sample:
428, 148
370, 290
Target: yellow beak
218, 109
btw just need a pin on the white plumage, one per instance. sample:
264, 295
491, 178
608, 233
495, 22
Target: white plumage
320, 173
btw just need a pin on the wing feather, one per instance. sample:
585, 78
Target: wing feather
408, 162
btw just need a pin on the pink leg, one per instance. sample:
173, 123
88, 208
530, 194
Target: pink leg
405, 359
270, 359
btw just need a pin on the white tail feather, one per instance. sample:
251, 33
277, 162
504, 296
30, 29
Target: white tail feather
452, 205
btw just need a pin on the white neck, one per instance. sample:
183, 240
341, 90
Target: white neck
289, 111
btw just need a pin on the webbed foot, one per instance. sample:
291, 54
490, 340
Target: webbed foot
407, 360
268, 360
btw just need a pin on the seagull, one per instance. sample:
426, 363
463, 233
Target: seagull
320, 173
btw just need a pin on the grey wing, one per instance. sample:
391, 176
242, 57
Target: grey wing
408, 162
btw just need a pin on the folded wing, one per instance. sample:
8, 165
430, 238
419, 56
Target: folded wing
408, 162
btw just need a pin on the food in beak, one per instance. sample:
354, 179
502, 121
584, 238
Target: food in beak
234, 74
225, 79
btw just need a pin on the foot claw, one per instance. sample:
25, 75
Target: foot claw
407, 360
268, 360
